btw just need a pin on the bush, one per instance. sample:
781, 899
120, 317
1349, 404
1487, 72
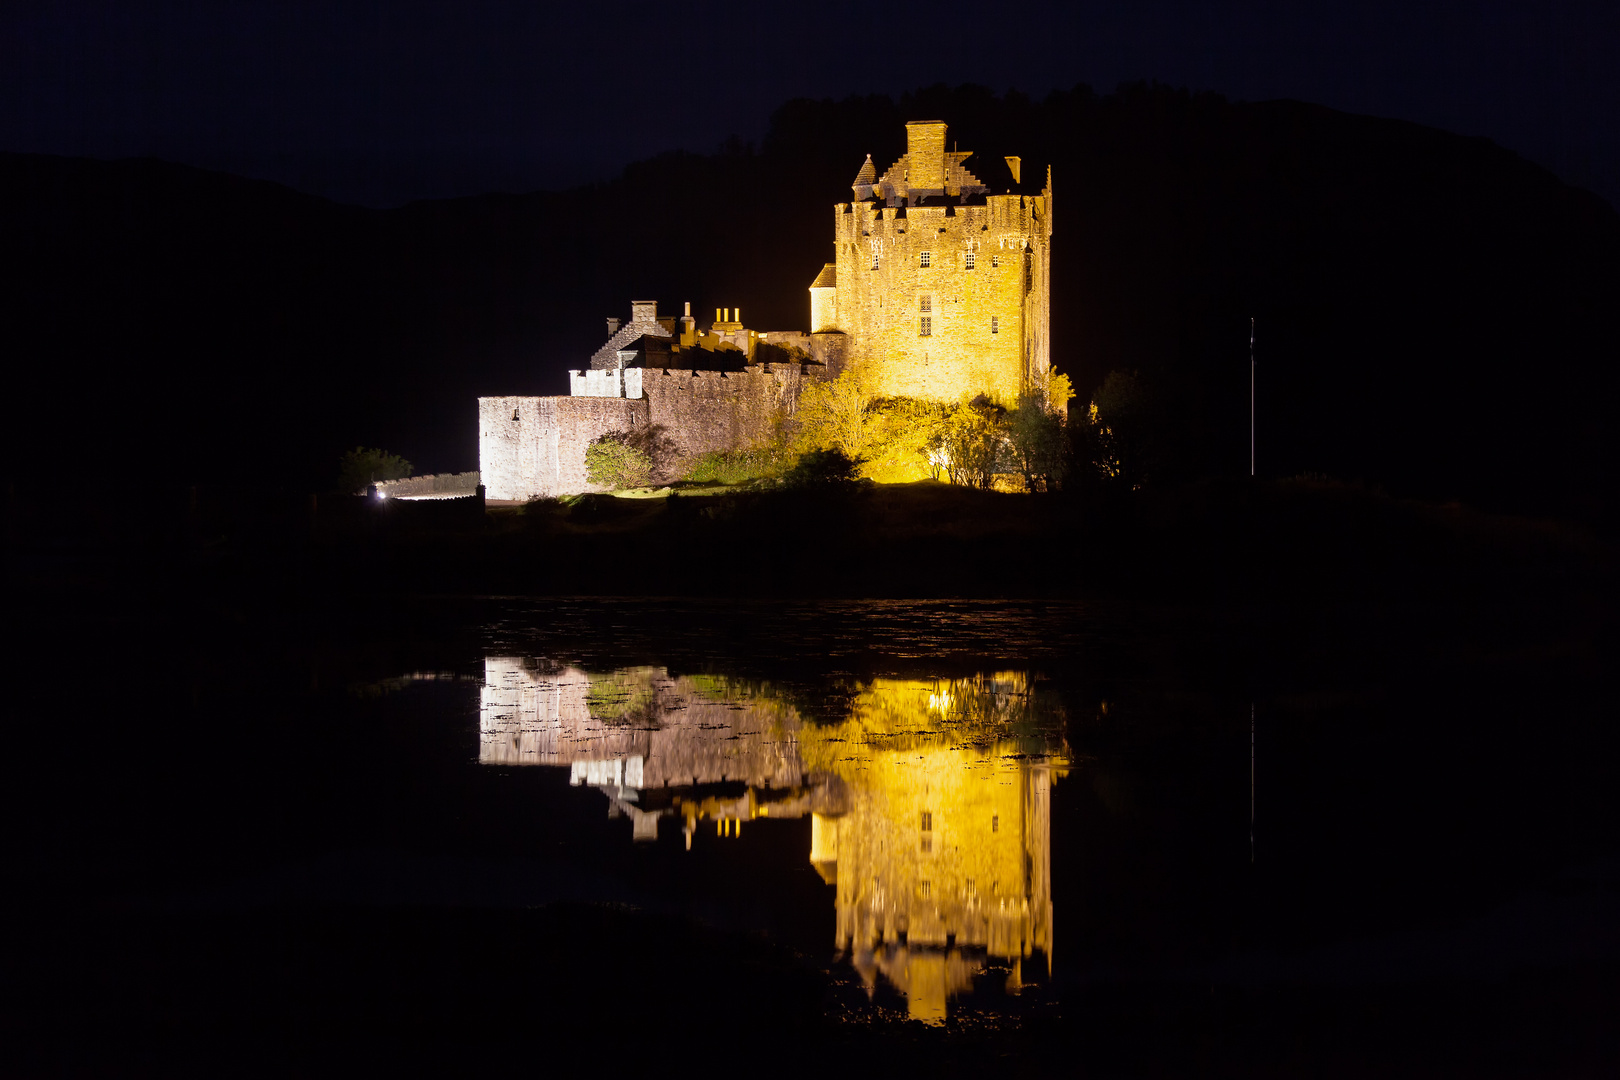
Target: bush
823, 469
364, 466
612, 462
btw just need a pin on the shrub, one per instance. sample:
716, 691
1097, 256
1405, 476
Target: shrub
732, 466
612, 462
822, 469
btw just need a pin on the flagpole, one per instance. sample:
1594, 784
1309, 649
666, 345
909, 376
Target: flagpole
1251, 396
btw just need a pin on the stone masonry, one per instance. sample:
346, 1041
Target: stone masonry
941, 283
534, 447
940, 289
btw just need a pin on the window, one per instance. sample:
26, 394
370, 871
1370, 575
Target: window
995, 261
995, 823
874, 260
927, 821
995, 324
928, 845
925, 887
926, 327
925, 304
925, 258
967, 261
514, 414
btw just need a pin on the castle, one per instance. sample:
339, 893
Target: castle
939, 289
937, 846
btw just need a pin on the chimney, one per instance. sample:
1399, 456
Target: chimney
613, 327
925, 155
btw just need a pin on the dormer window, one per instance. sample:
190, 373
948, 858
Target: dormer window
967, 261
925, 258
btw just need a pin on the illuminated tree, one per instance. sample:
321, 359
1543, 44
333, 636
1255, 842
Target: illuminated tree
833, 414
1036, 442
969, 445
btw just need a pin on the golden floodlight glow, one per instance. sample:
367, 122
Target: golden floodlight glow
929, 801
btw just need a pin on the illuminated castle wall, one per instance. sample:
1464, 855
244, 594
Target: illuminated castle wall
940, 289
941, 284
712, 389
937, 842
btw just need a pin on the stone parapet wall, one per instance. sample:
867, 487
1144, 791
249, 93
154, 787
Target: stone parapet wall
443, 485
605, 382
534, 447
704, 411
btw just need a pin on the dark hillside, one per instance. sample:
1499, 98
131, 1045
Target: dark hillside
1436, 315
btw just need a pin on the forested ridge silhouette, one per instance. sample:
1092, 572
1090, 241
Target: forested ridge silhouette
1436, 315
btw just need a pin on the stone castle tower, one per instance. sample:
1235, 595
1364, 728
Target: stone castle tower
941, 285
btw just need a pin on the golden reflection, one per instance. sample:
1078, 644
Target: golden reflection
929, 801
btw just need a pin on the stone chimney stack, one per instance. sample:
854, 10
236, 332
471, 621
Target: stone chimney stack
925, 155
613, 326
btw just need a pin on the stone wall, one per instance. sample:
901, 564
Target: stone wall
605, 382
534, 447
431, 486
702, 411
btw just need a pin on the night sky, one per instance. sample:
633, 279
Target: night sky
380, 103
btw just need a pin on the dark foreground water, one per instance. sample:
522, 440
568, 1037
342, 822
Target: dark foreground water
1133, 841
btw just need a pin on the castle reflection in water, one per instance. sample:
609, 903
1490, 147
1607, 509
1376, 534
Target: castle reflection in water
929, 801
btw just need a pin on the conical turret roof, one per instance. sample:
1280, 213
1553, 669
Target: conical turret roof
868, 173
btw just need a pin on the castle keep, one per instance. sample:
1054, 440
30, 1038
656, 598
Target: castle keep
940, 289
941, 284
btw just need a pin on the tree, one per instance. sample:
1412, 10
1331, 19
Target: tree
361, 467
612, 462
1036, 444
968, 446
833, 414
1124, 431
1059, 391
